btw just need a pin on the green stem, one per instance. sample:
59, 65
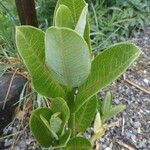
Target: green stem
97, 135
72, 124
71, 104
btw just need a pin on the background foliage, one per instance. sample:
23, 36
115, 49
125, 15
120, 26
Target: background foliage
111, 20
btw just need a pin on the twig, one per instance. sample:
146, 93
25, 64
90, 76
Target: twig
113, 124
123, 122
135, 85
11, 81
18, 137
124, 145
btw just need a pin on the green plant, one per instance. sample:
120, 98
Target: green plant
117, 20
63, 70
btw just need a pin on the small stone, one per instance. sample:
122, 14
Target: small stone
146, 81
137, 124
142, 144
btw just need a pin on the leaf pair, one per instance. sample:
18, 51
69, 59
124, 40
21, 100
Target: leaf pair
48, 124
107, 110
73, 14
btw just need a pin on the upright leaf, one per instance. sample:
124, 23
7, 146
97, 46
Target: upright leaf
80, 27
76, 7
60, 105
30, 44
78, 143
67, 56
107, 103
38, 127
85, 115
55, 122
64, 17
97, 123
107, 67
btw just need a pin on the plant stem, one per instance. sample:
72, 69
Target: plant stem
72, 124
71, 104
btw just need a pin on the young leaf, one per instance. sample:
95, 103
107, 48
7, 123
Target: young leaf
76, 7
80, 27
30, 44
64, 17
107, 67
67, 56
38, 127
60, 105
107, 103
97, 123
113, 112
55, 122
78, 143
85, 115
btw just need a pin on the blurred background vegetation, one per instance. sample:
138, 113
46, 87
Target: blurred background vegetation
111, 21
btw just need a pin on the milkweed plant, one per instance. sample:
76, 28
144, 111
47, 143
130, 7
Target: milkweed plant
64, 70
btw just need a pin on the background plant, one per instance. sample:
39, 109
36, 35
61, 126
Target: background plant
117, 20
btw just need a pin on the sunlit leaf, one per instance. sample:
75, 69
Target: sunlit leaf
67, 56
80, 27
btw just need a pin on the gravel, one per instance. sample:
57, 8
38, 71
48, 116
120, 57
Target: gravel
135, 132
134, 123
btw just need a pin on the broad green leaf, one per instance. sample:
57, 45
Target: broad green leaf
78, 143
38, 127
113, 112
63, 140
30, 44
60, 105
76, 7
85, 115
67, 56
107, 103
55, 122
64, 17
97, 122
80, 27
106, 67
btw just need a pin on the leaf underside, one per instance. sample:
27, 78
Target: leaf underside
67, 56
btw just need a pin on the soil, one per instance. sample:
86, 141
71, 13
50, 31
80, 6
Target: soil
129, 130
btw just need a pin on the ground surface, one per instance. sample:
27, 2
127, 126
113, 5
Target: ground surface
130, 129
133, 125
